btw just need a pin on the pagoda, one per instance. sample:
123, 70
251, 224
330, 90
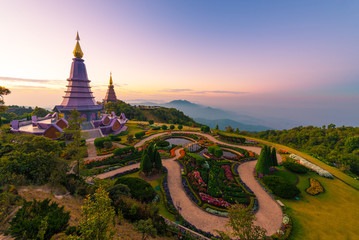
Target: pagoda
78, 94
110, 95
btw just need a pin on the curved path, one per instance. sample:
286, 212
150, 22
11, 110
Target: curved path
269, 216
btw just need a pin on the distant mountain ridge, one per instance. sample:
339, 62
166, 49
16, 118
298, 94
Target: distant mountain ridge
223, 123
213, 116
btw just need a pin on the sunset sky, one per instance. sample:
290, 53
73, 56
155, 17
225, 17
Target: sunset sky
296, 60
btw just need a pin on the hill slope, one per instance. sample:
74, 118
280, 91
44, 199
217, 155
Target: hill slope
143, 113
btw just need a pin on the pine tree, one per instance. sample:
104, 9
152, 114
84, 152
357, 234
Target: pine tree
274, 157
158, 161
144, 153
262, 165
147, 164
217, 127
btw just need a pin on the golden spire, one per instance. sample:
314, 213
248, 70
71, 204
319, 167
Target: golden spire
77, 51
111, 83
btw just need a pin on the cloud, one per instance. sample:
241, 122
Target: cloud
10, 79
177, 90
187, 90
227, 92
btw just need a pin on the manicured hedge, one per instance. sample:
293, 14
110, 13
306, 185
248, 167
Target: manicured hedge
162, 143
294, 167
99, 141
113, 160
122, 151
140, 189
280, 187
231, 138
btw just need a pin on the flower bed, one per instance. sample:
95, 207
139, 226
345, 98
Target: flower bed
213, 182
219, 202
285, 230
111, 160
182, 154
315, 187
173, 151
312, 166
105, 151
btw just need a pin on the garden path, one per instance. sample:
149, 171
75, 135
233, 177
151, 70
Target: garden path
269, 215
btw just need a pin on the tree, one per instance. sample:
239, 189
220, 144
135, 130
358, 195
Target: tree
205, 129
172, 127
39, 112
73, 132
263, 164
158, 161
180, 127
146, 228
274, 157
241, 224
3, 91
146, 164
39, 220
164, 127
151, 122
217, 128
98, 217
229, 129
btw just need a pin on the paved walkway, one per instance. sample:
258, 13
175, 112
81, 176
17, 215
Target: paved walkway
269, 216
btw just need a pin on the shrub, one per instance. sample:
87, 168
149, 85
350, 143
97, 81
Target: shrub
140, 189
122, 151
162, 143
172, 127
107, 144
151, 122
156, 128
205, 129
62, 144
164, 127
139, 135
216, 151
280, 187
294, 167
119, 190
35, 216
99, 142
180, 127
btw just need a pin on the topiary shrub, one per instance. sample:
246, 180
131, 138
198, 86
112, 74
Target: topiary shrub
139, 135
164, 127
122, 151
162, 143
172, 127
294, 167
180, 127
119, 190
280, 187
35, 216
140, 189
216, 151
107, 144
100, 141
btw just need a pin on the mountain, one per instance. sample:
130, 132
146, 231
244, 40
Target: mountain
205, 113
222, 123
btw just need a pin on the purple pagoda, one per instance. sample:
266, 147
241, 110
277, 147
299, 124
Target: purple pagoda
78, 94
110, 94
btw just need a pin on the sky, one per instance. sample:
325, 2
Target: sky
294, 60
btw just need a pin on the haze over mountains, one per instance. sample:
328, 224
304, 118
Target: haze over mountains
212, 116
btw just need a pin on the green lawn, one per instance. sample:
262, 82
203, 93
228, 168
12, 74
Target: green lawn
289, 176
161, 205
